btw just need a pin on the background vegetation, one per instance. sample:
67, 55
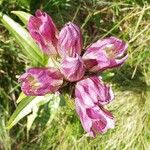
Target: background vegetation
126, 19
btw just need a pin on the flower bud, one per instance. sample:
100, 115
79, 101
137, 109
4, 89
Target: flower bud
44, 32
40, 81
104, 54
70, 40
72, 68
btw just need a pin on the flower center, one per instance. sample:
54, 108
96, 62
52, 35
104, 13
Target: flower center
35, 84
110, 50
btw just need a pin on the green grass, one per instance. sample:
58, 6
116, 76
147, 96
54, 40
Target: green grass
128, 20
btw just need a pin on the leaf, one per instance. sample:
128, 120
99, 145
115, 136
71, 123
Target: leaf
107, 75
21, 97
24, 3
30, 48
25, 107
54, 106
23, 16
31, 118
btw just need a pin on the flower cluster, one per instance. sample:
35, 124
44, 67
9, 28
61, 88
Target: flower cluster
91, 93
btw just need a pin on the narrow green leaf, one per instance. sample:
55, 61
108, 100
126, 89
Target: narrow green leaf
24, 3
31, 118
23, 16
24, 39
25, 107
28, 56
21, 97
54, 106
107, 75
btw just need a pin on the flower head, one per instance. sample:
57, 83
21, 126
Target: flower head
44, 32
104, 54
40, 81
91, 93
70, 40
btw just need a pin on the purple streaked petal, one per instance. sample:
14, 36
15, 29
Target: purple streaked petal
85, 120
72, 68
70, 40
93, 91
104, 54
95, 119
40, 81
44, 32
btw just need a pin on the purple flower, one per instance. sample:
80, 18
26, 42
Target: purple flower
72, 68
92, 91
40, 81
70, 40
44, 32
104, 54
90, 94
94, 119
